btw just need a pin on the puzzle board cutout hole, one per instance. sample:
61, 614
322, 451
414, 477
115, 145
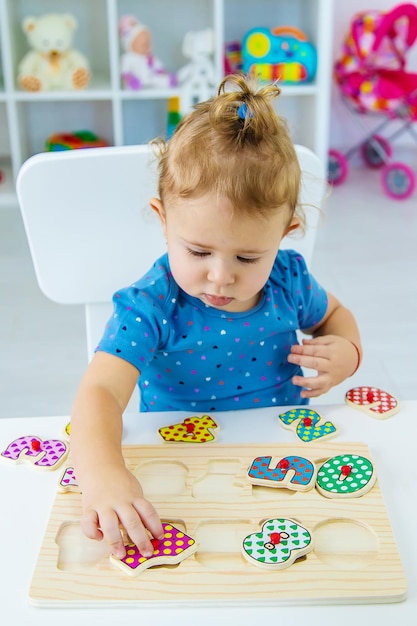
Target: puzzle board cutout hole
220, 544
271, 493
162, 478
219, 482
76, 550
345, 544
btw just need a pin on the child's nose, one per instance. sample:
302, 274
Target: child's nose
220, 273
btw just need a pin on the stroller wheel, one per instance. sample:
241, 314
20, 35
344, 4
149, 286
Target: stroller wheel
398, 181
337, 167
376, 151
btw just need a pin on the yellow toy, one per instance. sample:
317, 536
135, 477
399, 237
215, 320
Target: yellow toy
52, 63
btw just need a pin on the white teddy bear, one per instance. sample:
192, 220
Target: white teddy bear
197, 79
52, 63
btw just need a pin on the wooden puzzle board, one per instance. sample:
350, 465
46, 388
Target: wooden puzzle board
203, 490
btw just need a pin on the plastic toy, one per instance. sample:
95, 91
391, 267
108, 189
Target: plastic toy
197, 79
52, 63
283, 54
373, 80
174, 115
139, 66
232, 57
74, 141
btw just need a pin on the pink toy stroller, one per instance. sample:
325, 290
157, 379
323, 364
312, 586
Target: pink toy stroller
372, 78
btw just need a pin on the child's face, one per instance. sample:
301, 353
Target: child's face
222, 258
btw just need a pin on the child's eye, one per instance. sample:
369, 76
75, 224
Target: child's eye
245, 260
197, 253
201, 254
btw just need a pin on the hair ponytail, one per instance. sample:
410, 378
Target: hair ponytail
236, 145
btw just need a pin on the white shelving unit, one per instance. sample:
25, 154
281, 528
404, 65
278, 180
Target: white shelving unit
130, 117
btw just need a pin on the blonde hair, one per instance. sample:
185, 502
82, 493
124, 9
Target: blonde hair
234, 145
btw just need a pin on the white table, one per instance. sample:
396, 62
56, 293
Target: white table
27, 497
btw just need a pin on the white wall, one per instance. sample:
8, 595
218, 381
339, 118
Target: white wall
346, 130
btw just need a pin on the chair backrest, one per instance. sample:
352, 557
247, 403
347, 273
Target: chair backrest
90, 230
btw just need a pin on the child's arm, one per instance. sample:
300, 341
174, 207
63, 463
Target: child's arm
334, 352
112, 497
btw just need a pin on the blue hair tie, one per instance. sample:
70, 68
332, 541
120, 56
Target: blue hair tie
243, 111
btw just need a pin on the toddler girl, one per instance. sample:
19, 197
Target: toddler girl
212, 325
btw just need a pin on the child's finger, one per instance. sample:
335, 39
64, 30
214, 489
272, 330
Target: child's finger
132, 523
312, 362
109, 525
313, 385
299, 381
150, 518
311, 349
90, 525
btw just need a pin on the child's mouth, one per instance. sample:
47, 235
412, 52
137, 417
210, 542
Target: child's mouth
217, 300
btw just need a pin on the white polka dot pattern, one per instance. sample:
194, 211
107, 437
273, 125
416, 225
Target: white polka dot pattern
345, 475
373, 401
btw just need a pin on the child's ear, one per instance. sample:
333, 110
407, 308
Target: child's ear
293, 225
157, 206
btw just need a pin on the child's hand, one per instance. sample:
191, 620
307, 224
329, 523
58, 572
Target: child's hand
334, 358
112, 497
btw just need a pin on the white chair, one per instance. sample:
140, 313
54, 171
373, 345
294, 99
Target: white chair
90, 229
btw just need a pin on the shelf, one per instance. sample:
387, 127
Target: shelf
308, 89
148, 94
98, 89
7, 191
122, 116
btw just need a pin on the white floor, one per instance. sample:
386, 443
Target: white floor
366, 254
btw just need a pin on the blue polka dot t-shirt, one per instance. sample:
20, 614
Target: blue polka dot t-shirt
194, 357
